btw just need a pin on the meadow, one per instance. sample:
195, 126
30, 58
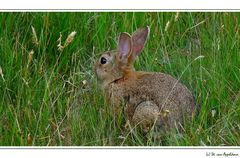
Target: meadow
49, 95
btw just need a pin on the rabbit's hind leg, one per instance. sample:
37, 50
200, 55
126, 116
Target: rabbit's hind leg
145, 115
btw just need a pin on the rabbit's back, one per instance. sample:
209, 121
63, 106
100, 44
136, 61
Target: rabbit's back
172, 97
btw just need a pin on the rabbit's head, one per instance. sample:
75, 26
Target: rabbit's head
114, 65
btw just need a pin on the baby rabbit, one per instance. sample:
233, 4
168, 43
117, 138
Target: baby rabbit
149, 99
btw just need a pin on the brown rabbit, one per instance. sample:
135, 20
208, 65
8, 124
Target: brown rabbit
147, 98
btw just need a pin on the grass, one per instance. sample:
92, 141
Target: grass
51, 97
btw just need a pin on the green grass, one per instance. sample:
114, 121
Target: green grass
44, 101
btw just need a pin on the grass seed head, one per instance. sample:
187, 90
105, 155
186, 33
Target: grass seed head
167, 26
67, 42
1, 73
176, 17
60, 47
30, 56
29, 139
69, 38
213, 113
84, 82
34, 38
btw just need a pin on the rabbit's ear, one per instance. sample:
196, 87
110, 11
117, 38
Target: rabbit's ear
139, 38
124, 47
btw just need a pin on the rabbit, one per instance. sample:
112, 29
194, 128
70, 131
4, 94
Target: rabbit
148, 99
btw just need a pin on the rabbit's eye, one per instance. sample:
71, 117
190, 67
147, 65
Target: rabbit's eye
103, 60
